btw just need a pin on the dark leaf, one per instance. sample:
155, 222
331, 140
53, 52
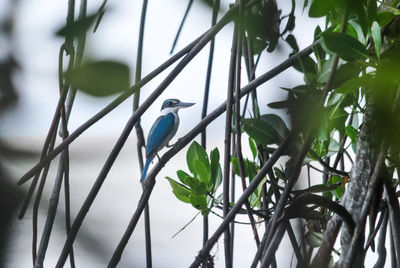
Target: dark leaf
319, 8
291, 40
278, 104
78, 27
347, 47
100, 78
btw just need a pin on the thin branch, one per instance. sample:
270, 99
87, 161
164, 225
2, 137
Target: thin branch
227, 148
239, 136
139, 130
181, 26
295, 245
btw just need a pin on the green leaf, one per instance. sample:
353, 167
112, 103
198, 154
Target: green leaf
376, 36
196, 151
325, 71
358, 29
277, 123
197, 187
280, 174
215, 167
202, 171
352, 133
319, 8
347, 47
346, 72
268, 129
78, 27
363, 18
384, 17
353, 84
200, 203
260, 131
182, 175
181, 191
305, 65
100, 78
253, 148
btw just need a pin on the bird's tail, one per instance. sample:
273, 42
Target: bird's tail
145, 168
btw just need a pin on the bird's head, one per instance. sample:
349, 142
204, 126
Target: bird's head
174, 105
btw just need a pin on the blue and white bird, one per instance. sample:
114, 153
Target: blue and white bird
163, 129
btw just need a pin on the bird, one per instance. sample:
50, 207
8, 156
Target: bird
162, 131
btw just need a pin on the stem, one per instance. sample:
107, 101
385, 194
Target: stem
227, 150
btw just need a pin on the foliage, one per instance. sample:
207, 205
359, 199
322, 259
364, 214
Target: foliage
200, 187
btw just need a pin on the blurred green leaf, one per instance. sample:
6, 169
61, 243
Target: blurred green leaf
384, 17
78, 27
278, 104
100, 78
319, 8
347, 47
325, 71
376, 37
362, 13
352, 133
305, 65
253, 148
352, 85
357, 28
181, 191
346, 72
268, 129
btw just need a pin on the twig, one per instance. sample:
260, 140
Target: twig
181, 26
139, 130
239, 135
227, 147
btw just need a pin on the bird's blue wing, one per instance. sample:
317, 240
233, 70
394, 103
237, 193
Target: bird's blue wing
159, 132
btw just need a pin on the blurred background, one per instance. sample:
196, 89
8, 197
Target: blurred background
28, 96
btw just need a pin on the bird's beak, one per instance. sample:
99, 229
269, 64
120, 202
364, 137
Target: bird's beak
185, 104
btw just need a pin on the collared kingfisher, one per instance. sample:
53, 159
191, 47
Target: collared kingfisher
163, 129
